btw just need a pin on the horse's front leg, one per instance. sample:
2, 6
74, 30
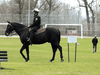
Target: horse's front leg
27, 51
21, 51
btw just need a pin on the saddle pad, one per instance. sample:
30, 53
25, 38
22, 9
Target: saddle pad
40, 30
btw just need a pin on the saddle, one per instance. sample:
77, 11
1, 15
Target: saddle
40, 30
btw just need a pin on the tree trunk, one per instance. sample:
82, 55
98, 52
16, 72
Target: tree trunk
87, 14
20, 10
93, 19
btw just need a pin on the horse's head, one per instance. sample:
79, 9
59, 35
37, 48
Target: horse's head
9, 29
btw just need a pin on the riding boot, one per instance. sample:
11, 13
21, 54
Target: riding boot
31, 37
29, 41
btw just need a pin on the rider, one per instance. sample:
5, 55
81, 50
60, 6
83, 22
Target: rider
36, 24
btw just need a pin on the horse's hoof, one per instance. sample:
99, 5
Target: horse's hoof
50, 60
62, 60
26, 60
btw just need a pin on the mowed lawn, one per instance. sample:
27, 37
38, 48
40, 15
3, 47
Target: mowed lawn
87, 62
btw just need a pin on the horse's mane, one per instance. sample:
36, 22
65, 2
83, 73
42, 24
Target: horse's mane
18, 24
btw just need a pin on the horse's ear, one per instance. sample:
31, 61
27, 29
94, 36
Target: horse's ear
8, 21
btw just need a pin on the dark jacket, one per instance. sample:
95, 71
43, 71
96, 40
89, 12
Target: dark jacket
36, 22
94, 41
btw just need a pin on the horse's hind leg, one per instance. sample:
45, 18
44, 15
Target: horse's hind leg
54, 52
61, 56
56, 45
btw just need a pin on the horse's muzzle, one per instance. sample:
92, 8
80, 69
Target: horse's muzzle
6, 34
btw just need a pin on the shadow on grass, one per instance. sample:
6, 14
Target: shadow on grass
2, 68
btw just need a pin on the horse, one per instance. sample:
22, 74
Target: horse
50, 35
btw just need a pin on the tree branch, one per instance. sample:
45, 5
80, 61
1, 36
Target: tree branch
35, 3
17, 1
80, 3
91, 2
48, 2
22, 4
42, 4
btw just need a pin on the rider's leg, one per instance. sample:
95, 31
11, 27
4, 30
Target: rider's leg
32, 35
29, 37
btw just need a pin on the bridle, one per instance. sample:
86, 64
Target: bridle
10, 25
17, 29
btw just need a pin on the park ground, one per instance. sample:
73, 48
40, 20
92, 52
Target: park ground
87, 62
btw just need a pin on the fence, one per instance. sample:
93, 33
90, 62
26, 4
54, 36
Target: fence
55, 17
88, 29
47, 17
91, 29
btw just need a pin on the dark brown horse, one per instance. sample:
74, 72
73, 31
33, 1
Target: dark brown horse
50, 35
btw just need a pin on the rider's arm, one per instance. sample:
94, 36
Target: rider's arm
36, 23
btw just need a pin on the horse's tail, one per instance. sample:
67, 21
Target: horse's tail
59, 36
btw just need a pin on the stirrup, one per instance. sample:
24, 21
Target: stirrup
29, 41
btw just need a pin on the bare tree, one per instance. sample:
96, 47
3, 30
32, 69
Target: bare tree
33, 4
92, 11
87, 7
3, 8
21, 4
50, 5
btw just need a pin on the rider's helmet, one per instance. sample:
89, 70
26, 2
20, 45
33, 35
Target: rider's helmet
36, 10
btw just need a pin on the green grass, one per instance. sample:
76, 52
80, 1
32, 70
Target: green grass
87, 63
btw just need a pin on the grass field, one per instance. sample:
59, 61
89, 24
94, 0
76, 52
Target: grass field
87, 63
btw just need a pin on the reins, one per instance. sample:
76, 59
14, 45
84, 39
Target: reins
21, 28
